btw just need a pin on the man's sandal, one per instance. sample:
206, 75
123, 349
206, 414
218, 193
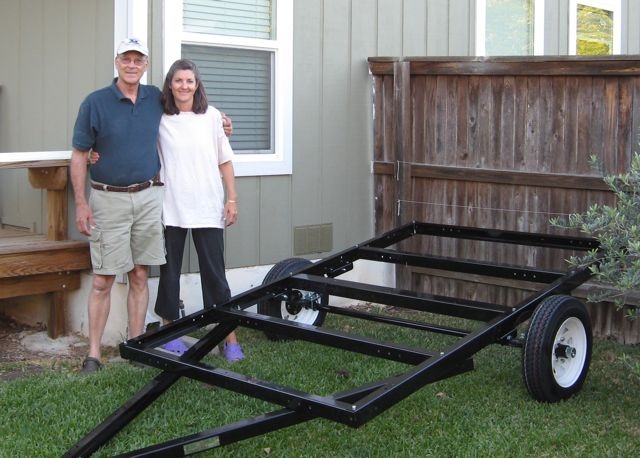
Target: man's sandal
90, 365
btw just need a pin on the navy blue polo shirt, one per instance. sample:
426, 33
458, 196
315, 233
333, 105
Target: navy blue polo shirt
123, 133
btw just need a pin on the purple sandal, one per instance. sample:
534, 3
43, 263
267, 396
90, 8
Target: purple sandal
176, 346
233, 352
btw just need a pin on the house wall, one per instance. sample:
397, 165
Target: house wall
60, 51
52, 54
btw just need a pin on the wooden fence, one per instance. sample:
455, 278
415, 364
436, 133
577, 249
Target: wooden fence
500, 143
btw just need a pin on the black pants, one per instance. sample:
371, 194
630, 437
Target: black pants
209, 243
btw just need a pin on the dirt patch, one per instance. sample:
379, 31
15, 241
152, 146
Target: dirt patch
27, 350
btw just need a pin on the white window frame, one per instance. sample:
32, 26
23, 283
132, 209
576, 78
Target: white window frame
538, 28
280, 161
610, 5
130, 21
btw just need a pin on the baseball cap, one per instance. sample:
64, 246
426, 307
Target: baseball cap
132, 44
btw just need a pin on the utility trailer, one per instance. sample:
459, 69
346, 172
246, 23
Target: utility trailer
295, 298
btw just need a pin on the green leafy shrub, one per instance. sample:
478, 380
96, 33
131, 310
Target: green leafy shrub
616, 265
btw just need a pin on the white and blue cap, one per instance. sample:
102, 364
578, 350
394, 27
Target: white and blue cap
132, 44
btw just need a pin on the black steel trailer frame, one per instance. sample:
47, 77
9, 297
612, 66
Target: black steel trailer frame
309, 285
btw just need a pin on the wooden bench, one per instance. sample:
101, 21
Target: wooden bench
44, 264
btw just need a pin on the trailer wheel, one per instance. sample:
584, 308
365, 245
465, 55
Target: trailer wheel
557, 349
303, 308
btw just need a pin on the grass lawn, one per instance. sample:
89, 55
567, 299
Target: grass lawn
483, 413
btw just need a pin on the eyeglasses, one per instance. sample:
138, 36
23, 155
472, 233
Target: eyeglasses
138, 61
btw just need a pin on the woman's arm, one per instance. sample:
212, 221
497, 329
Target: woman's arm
231, 205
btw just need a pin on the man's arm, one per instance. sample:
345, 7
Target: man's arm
227, 125
78, 172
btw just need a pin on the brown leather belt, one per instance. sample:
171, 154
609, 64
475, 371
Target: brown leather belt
155, 181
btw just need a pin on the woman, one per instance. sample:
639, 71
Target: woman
196, 169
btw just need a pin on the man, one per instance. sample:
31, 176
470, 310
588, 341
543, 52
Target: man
123, 216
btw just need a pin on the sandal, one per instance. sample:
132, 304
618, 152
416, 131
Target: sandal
233, 352
90, 365
176, 346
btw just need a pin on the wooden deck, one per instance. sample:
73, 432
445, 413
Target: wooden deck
51, 262
30, 264
48, 264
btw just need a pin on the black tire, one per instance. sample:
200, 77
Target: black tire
557, 349
308, 314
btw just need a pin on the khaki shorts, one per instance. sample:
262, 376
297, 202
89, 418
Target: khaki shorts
128, 230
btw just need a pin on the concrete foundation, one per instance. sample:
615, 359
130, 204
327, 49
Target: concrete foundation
240, 280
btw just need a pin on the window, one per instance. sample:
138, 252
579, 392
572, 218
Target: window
244, 51
238, 82
509, 27
594, 27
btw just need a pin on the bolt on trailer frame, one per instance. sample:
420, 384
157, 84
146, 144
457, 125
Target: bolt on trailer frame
294, 299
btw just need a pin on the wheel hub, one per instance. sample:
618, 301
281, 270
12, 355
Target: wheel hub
297, 301
294, 303
568, 355
565, 351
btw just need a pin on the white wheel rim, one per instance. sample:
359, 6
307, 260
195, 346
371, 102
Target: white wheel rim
567, 370
304, 316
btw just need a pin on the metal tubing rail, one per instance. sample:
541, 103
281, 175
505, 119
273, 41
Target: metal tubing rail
356, 406
393, 296
487, 269
400, 322
512, 237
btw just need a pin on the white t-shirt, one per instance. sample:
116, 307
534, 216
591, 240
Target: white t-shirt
191, 147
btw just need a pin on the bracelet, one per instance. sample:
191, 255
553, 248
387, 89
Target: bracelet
231, 201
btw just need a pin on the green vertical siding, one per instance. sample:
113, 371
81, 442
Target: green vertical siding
53, 53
